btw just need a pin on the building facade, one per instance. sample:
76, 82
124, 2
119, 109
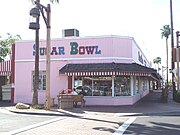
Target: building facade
111, 69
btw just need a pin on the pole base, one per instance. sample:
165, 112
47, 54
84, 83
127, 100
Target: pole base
47, 105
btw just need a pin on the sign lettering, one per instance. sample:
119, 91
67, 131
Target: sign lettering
75, 49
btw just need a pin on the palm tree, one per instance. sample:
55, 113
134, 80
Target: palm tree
57, 1
157, 61
165, 32
53, 1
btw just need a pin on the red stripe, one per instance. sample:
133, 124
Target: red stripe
5, 68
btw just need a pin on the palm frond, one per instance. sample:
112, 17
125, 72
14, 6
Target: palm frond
33, 2
165, 31
52, 1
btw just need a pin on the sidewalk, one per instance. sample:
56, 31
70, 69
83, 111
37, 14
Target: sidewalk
149, 105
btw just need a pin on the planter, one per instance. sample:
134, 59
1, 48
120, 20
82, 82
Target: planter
65, 101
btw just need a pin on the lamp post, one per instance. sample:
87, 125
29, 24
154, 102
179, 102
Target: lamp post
35, 12
177, 58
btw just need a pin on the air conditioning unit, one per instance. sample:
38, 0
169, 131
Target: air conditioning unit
70, 33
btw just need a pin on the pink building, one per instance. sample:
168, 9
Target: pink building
111, 69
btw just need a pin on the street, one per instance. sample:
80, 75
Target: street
148, 117
20, 124
11, 121
155, 125
27, 124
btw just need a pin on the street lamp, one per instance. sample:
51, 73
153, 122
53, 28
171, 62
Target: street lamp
35, 13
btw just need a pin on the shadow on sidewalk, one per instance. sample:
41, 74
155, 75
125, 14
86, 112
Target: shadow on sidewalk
151, 103
152, 97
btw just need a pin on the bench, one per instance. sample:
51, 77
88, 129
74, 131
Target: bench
79, 98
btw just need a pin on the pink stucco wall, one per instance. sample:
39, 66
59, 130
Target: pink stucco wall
113, 49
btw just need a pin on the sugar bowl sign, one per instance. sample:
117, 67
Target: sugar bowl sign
75, 49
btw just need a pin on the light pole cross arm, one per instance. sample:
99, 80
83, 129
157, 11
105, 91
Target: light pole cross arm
46, 18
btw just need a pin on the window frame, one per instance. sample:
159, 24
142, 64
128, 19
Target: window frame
42, 79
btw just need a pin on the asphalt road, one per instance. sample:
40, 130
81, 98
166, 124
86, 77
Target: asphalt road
97, 123
11, 121
18, 124
142, 125
154, 125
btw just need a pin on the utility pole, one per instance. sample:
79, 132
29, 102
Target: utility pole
48, 42
177, 58
172, 47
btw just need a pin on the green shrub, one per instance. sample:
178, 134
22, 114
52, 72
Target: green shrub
177, 97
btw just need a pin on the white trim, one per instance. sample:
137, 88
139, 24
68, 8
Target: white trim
84, 58
112, 86
132, 85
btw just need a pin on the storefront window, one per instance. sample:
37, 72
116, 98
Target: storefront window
122, 86
137, 85
102, 86
42, 80
94, 86
83, 83
144, 83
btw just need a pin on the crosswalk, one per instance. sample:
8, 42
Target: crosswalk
124, 126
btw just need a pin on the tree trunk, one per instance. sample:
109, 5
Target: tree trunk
167, 70
158, 68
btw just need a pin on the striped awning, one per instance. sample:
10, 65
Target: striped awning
104, 73
5, 68
107, 69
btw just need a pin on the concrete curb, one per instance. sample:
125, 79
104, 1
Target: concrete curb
56, 113
53, 113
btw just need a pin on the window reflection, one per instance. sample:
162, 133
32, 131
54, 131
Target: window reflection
83, 83
94, 86
122, 86
137, 85
102, 85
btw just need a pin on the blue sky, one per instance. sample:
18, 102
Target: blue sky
141, 19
